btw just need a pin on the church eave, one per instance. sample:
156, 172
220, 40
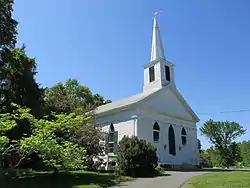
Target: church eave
115, 110
180, 98
166, 114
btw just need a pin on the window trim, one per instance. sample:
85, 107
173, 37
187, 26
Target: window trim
156, 130
183, 136
167, 73
151, 74
111, 131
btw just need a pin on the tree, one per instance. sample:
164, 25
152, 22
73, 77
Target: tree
205, 159
245, 151
11, 131
71, 97
55, 152
80, 130
17, 82
17, 70
8, 25
136, 157
199, 145
216, 158
89, 137
234, 155
222, 135
108, 101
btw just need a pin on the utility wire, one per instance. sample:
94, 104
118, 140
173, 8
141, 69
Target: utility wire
225, 112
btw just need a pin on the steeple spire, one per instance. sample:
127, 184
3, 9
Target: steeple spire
158, 73
157, 50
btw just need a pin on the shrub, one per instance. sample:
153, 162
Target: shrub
136, 157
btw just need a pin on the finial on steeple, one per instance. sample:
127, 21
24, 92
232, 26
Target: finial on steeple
157, 50
157, 13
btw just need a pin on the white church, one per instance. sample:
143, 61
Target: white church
160, 115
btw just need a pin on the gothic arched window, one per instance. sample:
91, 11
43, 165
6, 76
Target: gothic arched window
171, 141
183, 136
111, 132
111, 128
156, 132
112, 138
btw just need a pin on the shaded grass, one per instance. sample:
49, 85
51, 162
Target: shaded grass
220, 180
75, 179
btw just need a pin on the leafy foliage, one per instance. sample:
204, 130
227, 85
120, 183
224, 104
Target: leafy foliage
89, 137
136, 157
71, 97
222, 135
205, 159
245, 152
212, 157
55, 152
78, 130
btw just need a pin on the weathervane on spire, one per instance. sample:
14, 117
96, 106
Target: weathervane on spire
157, 13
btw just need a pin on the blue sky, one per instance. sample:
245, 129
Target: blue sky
104, 45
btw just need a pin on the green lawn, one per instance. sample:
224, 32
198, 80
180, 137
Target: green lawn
76, 179
220, 180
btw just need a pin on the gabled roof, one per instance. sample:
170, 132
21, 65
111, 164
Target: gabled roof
126, 102
123, 102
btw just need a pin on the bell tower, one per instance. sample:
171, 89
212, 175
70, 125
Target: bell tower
158, 72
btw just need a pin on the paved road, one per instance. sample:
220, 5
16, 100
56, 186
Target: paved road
173, 180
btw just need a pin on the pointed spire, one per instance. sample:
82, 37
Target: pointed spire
157, 50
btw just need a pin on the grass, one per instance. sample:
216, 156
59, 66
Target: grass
75, 179
220, 180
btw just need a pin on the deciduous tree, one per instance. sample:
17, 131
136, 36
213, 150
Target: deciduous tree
222, 135
245, 151
56, 152
71, 97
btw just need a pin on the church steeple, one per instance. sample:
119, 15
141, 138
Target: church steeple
157, 50
158, 72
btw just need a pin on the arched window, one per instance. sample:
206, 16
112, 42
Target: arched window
171, 141
156, 132
111, 138
111, 128
183, 136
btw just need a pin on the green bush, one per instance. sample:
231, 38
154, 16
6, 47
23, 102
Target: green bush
136, 157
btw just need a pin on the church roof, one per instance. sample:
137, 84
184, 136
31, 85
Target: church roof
123, 102
126, 102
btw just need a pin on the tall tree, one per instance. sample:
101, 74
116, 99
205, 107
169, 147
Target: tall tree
223, 134
17, 70
8, 25
17, 82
